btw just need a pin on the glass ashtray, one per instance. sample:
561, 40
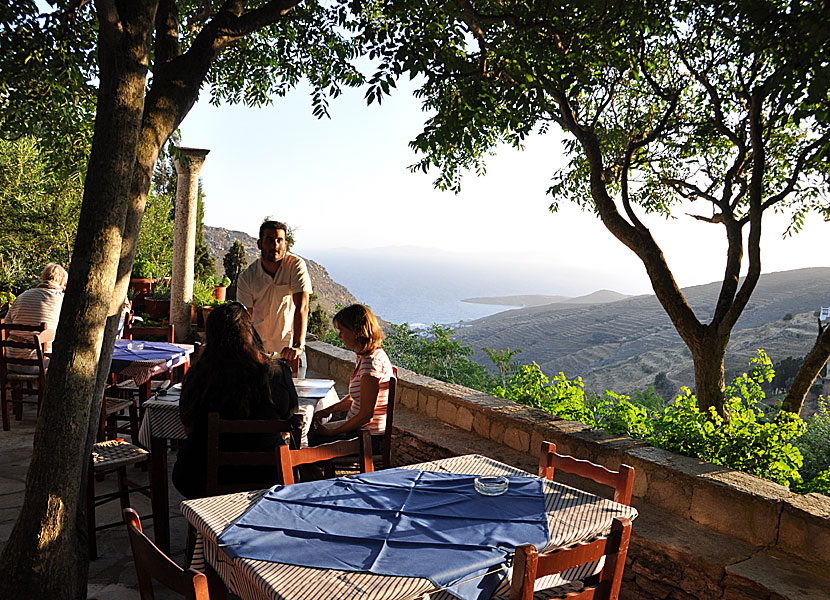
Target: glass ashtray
135, 346
491, 485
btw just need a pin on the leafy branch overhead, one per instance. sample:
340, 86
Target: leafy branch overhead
717, 110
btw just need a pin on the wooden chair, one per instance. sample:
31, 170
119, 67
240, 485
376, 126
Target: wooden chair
385, 457
106, 457
362, 446
151, 563
114, 422
222, 459
530, 565
131, 332
14, 385
621, 481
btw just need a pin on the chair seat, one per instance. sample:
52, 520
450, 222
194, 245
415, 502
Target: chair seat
115, 406
113, 454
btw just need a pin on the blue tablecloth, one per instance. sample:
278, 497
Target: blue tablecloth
396, 522
152, 351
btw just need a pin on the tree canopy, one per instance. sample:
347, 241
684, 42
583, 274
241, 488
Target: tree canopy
149, 60
718, 109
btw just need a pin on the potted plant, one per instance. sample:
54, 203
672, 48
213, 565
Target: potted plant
141, 282
157, 304
203, 298
220, 288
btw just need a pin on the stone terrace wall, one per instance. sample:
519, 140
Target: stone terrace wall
704, 531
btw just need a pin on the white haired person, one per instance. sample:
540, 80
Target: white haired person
41, 304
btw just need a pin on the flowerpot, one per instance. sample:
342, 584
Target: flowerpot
141, 287
205, 312
219, 292
194, 315
157, 309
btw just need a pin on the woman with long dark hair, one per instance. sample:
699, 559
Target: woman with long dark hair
237, 379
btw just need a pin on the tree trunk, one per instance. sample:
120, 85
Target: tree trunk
813, 363
708, 356
45, 556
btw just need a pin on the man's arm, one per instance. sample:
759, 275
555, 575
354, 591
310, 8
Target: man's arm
299, 327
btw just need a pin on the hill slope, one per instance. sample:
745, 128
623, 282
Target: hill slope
329, 292
624, 345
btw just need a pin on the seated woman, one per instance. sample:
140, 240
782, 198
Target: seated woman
237, 379
359, 330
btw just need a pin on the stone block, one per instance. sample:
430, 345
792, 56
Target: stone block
804, 529
481, 425
408, 397
497, 431
750, 517
464, 418
431, 409
518, 439
446, 411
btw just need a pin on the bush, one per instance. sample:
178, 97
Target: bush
142, 269
814, 443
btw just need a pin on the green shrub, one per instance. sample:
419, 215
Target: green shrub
142, 269
814, 443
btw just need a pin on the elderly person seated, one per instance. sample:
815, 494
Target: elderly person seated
41, 304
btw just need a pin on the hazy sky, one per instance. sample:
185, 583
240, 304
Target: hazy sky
344, 182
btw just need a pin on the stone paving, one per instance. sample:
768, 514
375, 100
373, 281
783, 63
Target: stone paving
112, 575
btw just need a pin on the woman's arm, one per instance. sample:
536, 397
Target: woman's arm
369, 388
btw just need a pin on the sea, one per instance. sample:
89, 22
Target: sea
421, 288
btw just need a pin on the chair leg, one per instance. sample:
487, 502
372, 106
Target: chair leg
5, 408
123, 488
90, 513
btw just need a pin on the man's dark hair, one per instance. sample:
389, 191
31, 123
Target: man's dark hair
272, 225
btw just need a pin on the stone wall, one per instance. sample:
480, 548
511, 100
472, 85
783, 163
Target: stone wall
704, 531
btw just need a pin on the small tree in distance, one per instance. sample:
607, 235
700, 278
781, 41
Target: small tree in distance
234, 261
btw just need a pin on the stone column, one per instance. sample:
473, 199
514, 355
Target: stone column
188, 164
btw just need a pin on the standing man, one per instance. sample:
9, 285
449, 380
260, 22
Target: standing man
275, 289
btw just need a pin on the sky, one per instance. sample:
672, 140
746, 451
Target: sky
344, 183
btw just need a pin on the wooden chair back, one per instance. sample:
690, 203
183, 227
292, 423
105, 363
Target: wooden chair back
219, 459
386, 457
31, 339
530, 565
361, 445
151, 563
621, 481
131, 332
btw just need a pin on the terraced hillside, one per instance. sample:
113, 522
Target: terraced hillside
624, 345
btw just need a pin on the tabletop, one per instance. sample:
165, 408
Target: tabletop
572, 516
140, 360
161, 414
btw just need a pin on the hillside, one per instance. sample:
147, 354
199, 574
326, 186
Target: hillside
529, 300
329, 292
624, 345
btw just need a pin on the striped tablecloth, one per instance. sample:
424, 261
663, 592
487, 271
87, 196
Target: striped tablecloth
573, 516
161, 415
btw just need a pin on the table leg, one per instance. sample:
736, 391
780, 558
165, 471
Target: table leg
158, 481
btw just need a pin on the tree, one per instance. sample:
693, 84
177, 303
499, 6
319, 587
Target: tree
204, 263
245, 51
813, 364
234, 260
667, 106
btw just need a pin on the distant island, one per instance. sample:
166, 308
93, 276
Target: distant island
530, 300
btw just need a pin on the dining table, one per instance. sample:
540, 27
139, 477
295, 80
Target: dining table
161, 423
414, 532
141, 361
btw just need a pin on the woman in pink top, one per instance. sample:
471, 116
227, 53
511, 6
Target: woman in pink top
359, 330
